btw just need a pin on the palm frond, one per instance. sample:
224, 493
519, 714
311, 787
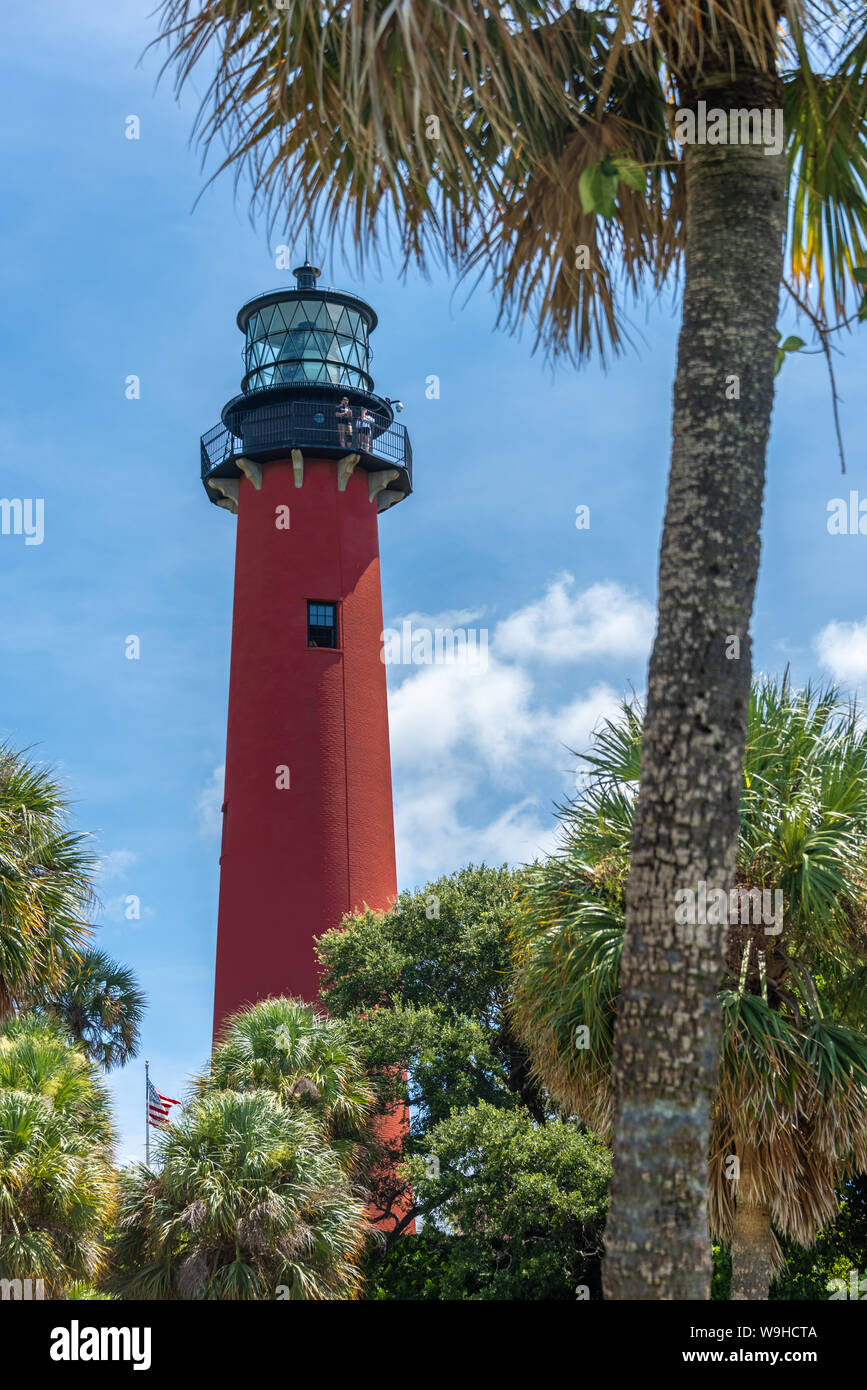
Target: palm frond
792, 1084
250, 1198
826, 121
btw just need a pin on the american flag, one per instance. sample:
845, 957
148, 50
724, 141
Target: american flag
159, 1106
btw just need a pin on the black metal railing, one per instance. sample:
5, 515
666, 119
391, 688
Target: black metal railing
296, 424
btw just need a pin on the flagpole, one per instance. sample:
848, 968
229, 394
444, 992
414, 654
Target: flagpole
147, 1118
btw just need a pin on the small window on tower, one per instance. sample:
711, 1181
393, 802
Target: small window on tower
322, 624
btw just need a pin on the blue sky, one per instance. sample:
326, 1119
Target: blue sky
108, 270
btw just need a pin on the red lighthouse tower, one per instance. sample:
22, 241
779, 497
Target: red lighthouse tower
306, 456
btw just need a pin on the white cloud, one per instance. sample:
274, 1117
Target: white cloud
487, 740
602, 622
433, 838
116, 863
440, 710
842, 649
209, 802
460, 734
492, 717
569, 728
492, 713
449, 618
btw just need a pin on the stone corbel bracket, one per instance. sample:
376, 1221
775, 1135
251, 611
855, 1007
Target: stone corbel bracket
229, 488
378, 481
252, 471
387, 499
345, 468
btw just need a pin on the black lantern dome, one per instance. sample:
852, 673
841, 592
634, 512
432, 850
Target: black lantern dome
305, 349
307, 336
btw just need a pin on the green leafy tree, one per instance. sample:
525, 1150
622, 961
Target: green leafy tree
789, 1116
534, 145
101, 1005
425, 988
441, 952
57, 1182
414, 1270
526, 1202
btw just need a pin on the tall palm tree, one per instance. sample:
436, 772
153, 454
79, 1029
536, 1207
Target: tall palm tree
534, 143
305, 1059
308, 1063
101, 1005
248, 1201
57, 1183
258, 1188
45, 882
791, 1099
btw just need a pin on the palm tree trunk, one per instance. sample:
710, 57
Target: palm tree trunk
753, 1238
668, 1025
